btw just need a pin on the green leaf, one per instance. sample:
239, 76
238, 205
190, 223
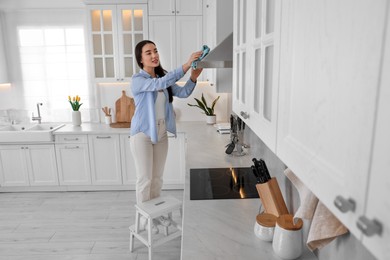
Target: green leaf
214, 102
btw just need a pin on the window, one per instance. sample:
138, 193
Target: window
54, 66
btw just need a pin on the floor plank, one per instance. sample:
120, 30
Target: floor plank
74, 225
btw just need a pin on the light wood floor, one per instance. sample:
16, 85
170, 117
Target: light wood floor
74, 225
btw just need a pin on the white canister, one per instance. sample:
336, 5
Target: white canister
107, 120
287, 242
264, 226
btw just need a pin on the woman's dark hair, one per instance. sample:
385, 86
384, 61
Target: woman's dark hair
158, 70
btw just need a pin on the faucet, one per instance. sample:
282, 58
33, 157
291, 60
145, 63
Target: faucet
38, 118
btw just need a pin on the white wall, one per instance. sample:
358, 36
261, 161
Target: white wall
109, 94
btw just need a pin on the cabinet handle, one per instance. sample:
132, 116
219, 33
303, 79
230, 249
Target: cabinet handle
71, 139
177, 12
22, 148
344, 205
72, 147
173, 11
103, 137
245, 115
369, 227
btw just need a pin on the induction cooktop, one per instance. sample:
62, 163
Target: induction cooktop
222, 183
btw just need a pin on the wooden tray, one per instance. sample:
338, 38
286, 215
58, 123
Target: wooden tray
120, 125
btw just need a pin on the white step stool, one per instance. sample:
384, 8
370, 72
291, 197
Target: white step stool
152, 209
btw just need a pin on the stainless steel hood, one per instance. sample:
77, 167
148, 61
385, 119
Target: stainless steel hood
221, 56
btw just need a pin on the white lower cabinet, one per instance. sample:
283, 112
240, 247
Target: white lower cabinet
129, 176
28, 165
175, 165
73, 160
84, 161
104, 153
174, 170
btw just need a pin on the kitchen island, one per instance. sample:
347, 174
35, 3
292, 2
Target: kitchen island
219, 229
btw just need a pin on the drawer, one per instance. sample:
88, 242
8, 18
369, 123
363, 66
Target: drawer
74, 139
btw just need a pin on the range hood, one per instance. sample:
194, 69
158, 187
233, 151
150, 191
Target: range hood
221, 56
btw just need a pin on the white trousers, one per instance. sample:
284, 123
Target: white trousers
149, 162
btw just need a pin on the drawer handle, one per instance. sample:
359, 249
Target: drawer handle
245, 115
103, 137
71, 139
344, 205
369, 227
72, 147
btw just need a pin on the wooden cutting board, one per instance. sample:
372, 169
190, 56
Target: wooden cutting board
124, 109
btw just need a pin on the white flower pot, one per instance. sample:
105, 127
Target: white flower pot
211, 120
76, 118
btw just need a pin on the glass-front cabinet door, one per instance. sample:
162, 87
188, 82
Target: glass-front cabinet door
256, 55
115, 30
264, 81
240, 58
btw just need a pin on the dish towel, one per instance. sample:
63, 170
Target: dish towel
325, 227
205, 51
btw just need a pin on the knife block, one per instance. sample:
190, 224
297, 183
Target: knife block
272, 198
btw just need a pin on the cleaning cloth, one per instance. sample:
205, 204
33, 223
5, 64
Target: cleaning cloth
205, 51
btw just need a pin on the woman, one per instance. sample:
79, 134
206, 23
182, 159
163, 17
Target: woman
153, 90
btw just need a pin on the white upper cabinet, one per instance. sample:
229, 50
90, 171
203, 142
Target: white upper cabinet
3, 63
175, 7
256, 66
330, 71
114, 32
176, 36
377, 210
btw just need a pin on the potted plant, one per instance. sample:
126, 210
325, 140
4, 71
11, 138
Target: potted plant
209, 111
76, 115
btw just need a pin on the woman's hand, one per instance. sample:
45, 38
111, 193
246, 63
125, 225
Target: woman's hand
195, 74
194, 56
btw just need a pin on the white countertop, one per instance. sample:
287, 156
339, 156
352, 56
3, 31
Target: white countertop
219, 229
90, 128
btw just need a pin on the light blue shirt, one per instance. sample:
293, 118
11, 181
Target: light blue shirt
144, 89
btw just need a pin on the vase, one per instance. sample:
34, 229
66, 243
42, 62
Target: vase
107, 120
76, 118
211, 119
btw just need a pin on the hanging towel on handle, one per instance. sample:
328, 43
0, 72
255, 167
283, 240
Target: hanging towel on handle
205, 51
325, 227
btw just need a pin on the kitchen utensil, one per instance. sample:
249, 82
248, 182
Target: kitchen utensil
124, 108
264, 169
106, 111
265, 226
230, 148
260, 170
287, 240
258, 178
271, 197
124, 111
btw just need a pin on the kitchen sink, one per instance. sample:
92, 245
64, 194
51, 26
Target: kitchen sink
14, 128
28, 133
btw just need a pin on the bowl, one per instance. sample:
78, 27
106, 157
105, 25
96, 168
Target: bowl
265, 226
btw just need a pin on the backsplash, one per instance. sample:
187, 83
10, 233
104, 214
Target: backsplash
344, 247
